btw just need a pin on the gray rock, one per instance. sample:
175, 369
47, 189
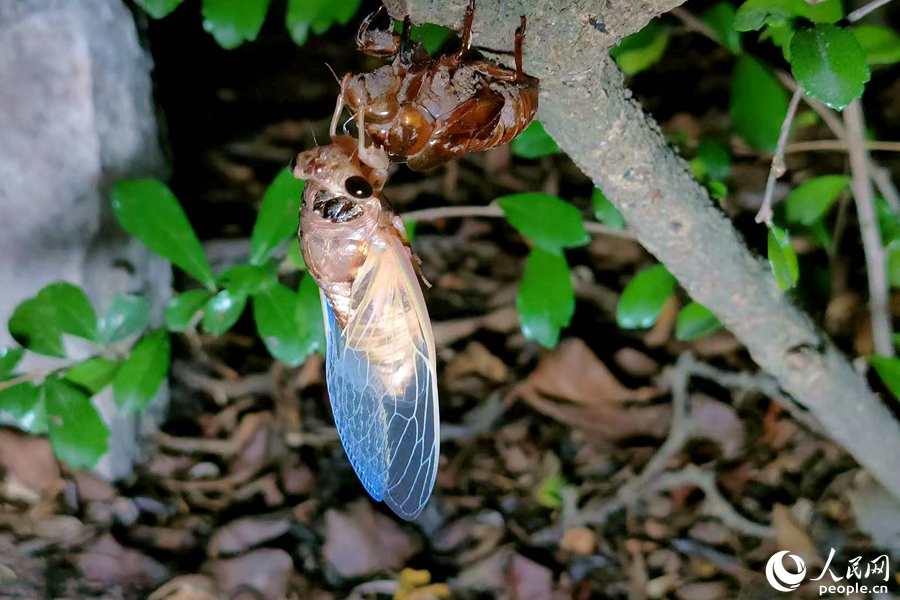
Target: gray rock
76, 114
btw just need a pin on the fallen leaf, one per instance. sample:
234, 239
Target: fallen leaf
661, 332
267, 570
529, 580
29, 461
579, 540
476, 359
359, 541
186, 587
242, 534
110, 562
703, 590
717, 421
635, 363
574, 387
791, 535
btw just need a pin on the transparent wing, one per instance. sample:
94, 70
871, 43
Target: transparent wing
381, 376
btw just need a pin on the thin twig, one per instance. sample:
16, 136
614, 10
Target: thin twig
691, 22
777, 169
859, 13
839, 146
879, 303
493, 211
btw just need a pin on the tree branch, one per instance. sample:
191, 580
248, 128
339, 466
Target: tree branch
587, 109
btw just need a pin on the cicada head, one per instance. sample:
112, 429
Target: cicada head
344, 168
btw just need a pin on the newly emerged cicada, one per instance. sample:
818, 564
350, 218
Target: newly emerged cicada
427, 111
380, 358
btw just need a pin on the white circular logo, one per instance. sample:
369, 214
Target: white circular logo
778, 575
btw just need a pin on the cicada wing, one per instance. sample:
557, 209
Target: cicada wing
381, 376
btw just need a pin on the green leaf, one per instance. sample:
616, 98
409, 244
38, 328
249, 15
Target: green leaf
881, 45
640, 51
77, 433
93, 374
781, 36
278, 216
149, 211
830, 64
233, 22
811, 200
893, 263
295, 256
829, 11
546, 299
889, 370
753, 14
38, 323
534, 142
309, 312
245, 280
758, 103
888, 221
143, 372
695, 321
222, 311
432, 36
717, 190
606, 212
181, 309
9, 358
286, 336
643, 298
550, 492
304, 16
127, 315
21, 401
548, 221
712, 162
782, 258
720, 19
159, 8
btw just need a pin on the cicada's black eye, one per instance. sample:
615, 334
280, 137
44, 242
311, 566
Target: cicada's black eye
358, 187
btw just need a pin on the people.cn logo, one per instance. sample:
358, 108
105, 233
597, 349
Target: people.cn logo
779, 577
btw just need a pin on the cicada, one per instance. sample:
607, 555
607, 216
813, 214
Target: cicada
380, 357
427, 111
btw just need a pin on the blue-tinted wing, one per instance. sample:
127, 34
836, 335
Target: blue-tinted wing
380, 371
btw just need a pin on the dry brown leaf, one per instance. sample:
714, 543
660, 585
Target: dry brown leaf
529, 580
476, 359
574, 387
791, 535
28, 461
661, 332
635, 362
267, 570
359, 541
242, 534
717, 421
186, 587
579, 540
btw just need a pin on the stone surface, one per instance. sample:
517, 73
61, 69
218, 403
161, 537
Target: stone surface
76, 114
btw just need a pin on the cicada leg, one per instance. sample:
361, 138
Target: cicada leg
378, 42
466, 35
520, 42
339, 105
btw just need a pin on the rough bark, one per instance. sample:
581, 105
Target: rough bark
586, 107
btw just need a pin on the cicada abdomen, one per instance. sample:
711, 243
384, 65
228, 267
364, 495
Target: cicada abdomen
380, 360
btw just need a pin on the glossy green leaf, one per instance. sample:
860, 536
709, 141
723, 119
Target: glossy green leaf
720, 19
38, 323
159, 8
550, 492
181, 309
149, 211
893, 263
606, 212
712, 161
695, 321
753, 14
643, 298
126, 316
222, 311
550, 222
829, 11
717, 190
811, 200
20, 401
431, 36
233, 22
245, 280
9, 358
881, 45
781, 36
309, 313
640, 51
830, 64
782, 258
143, 372
77, 433
758, 103
888, 221
93, 374
278, 216
546, 298
534, 142
315, 16
278, 321
888, 370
